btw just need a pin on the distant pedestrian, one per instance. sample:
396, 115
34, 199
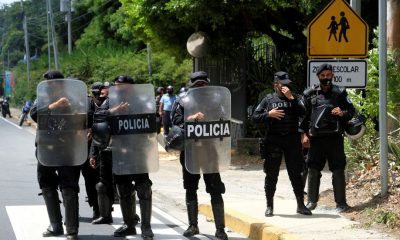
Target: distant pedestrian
160, 93
281, 112
166, 102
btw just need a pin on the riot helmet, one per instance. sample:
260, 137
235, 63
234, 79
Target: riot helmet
170, 89
96, 89
122, 79
53, 75
355, 128
160, 90
101, 134
199, 78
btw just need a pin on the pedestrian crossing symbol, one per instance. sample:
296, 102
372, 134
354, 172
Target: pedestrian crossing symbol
337, 32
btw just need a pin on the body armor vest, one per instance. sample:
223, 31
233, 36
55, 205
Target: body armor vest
289, 123
322, 122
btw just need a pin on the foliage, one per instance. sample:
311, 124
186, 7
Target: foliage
104, 64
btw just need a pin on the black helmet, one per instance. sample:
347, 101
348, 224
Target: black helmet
96, 87
101, 134
53, 75
124, 79
355, 128
159, 89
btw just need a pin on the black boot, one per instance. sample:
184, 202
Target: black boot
104, 205
125, 193
192, 210
52, 202
300, 206
314, 178
219, 218
145, 196
269, 212
339, 190
71, 204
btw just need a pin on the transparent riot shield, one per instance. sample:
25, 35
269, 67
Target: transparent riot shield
207, 142
62, 122
133, 129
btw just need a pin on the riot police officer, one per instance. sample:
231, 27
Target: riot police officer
125, 189
280, 112
328, 109
66, 178
100, 158
214, 185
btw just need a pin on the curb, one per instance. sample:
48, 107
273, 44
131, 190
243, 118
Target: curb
252, 228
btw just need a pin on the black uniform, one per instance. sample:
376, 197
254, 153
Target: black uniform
326, 139
214, 186
282, 138
125, 189
90, 174
67, 179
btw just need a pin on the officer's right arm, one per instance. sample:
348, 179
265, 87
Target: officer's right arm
260, 115
178, 116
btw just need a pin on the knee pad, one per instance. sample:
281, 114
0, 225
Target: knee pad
101, 188
144, 190
125, 190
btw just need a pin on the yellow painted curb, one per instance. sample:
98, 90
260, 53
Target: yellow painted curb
253, 228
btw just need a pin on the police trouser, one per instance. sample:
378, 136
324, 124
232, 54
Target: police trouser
91, 177
105, 173
214, 185
166, 120
290, 146
325, 148
54, 177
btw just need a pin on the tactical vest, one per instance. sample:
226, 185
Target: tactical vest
322, 122
289, 123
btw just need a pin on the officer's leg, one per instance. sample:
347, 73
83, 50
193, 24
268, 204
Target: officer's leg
91, 179
48, 182
104, 203
294, 165
105, 189
145, 200
190, 183
337, 164
216, 188
125, 192
69, 179
271, 168
316, 162
304, 172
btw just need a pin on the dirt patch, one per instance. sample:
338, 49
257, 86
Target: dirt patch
367, 206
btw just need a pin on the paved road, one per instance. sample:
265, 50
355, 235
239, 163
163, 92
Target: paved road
22, 212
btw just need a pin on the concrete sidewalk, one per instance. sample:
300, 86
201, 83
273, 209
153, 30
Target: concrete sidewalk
245, 204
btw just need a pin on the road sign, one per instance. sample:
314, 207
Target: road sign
337, 32
350, 73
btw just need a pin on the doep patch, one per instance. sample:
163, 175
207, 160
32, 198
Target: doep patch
201, 130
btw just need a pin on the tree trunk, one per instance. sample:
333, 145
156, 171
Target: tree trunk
393, 26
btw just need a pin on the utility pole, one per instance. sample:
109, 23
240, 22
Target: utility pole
149, 59
48, 34
53, 36
69, 28
27, 54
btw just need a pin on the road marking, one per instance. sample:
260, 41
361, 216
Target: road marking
15, 125
28, 222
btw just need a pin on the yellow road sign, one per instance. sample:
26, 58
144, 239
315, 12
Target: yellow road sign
337, 32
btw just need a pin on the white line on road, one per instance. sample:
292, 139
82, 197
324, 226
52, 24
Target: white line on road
15, 125
28, 222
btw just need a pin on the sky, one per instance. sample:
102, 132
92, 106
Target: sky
8, 1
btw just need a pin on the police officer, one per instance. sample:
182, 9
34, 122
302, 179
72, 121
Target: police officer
328, 109
214, 185
160, 92
280, 112
100, 158
89, 173
64, 178
126, 190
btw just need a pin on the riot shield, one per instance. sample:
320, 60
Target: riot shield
207, 142
62, 127
133, 129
